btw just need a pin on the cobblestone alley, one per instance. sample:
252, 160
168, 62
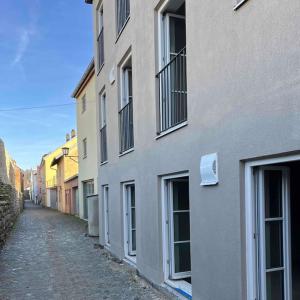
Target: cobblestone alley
48, 256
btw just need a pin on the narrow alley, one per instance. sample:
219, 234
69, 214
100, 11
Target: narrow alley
49, 256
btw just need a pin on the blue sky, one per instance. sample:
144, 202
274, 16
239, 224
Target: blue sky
45, 46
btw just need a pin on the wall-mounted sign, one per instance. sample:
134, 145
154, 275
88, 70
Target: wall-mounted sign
112, 77
209, 169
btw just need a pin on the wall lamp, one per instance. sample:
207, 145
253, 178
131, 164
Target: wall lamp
65, 151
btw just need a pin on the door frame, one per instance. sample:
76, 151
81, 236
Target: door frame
126, 222
250, 220
167, 260
105, 193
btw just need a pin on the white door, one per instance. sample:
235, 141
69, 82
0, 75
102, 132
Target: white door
273, 227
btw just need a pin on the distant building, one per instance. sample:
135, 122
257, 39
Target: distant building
57, 177
87, 105
34, 190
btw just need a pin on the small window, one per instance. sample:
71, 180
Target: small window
172, 75
83, 103
103, 109
123, 12
126, 108
100, 19
100, 38
103, 131
84, 147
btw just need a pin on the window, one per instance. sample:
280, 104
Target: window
100, 38
172, 75
103, 131
129, 220
126, 112
83, 104
84, 147
176, 231
106, 214
88, 190
123, 12
273, 246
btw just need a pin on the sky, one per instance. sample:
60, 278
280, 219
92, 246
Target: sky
45, 47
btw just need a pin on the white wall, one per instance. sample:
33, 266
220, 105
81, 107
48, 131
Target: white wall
87, 128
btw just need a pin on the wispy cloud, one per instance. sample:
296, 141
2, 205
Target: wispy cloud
26, 33
23, 45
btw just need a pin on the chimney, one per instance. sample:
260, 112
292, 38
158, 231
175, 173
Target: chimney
67, 137
73, 133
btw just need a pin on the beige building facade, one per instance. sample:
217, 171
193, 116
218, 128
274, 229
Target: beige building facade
86, 107
199, 161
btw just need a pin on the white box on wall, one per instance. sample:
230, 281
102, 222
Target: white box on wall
209, 169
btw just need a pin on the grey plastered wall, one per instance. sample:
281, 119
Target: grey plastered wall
243, 102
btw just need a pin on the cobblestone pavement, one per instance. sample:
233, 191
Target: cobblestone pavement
48, 256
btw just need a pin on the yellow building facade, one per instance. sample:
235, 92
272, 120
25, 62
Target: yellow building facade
58, 170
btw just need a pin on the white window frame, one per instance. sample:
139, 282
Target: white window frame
164, 47
103, 109
250, 219
100, 22
124, 82
168, 261
129, 253
165, 50
90, 186
105, 193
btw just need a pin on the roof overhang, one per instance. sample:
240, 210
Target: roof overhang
89, 1
71, 178
89, 72
56, 160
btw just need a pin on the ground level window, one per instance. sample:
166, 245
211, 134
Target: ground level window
106, 214
272, 218
129, 220
88, 190
176, 221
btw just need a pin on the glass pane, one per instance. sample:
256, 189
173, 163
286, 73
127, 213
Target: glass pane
177, 35
273, 193
275, 286
129, 83
181, 195
133, 218
132, 196
181, 226
133, 237
182, 257
274, 246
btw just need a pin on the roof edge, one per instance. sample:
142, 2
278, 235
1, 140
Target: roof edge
84, 79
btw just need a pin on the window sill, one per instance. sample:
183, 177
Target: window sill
182, 287
104, 163
120, 33
126, 152
100, 69
170, 130
130, 260
240, 4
